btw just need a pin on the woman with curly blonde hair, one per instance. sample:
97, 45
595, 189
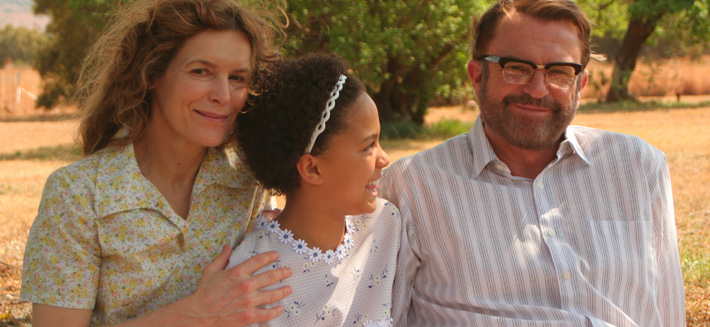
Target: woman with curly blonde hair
139, 231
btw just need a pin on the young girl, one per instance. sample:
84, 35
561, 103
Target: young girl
312, 134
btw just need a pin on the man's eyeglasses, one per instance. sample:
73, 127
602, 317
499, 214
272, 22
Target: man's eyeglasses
519, 72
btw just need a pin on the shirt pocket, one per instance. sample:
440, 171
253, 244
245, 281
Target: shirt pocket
624, 265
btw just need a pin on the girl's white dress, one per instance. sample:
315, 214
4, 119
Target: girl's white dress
351, 286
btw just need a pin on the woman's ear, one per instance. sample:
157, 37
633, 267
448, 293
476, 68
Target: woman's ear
308, 169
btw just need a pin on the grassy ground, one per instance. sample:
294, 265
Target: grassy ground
30, 151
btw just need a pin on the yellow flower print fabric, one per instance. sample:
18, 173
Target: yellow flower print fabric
105, 239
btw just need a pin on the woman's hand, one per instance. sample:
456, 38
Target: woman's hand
232, 297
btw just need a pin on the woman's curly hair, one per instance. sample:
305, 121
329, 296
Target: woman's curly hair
274, 133
114, 87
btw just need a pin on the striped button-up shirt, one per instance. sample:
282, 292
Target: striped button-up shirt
591, 241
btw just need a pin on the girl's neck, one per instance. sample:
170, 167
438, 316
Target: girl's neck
311, 222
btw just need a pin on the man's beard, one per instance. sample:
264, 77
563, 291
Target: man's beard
524, 132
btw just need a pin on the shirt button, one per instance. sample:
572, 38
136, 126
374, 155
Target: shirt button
500, 167
567, 275
551, 233
540, 185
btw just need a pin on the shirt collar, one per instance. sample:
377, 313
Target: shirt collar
574, 143
223, 166
483, 153
480, 148
120, 185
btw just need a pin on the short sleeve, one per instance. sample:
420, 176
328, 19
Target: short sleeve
62, 255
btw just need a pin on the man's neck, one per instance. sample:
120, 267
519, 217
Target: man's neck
522, 162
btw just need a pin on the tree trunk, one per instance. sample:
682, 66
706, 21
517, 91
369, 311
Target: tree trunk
389, 110
405, 94
638, 31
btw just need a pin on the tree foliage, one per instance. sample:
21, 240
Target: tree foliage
406, 52
75, 25
608, 16
21, 44
685, 32
682, 23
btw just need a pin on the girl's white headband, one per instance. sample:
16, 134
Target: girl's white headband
326, 112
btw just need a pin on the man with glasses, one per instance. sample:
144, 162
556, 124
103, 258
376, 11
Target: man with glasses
526, 220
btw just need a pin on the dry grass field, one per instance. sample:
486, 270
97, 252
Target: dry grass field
663, 78
681, 133
13, 78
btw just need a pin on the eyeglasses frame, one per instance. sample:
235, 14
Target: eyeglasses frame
501, 61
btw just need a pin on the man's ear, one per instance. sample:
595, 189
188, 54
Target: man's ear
585, 79
308, 169
475, 73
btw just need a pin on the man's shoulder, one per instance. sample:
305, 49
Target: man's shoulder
599, 135
450, 149
594, 141
451, 157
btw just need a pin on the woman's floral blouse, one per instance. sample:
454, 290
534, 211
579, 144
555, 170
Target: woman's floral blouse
105, 239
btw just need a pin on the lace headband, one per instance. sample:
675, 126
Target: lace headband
326, 113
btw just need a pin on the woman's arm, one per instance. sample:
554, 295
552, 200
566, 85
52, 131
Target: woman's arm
50, 316
223, 298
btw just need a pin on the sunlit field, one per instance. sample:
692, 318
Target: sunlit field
674, 78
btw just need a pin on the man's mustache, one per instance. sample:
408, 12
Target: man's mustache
526, 99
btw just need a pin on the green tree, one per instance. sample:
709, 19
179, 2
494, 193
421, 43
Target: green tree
406, 52
608, 17
21, 44
75, 25
645, 17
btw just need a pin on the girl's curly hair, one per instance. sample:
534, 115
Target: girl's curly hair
275, 131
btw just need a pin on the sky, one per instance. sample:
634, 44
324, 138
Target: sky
19, 13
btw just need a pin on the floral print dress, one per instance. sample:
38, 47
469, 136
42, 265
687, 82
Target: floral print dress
349, 286
105, 239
